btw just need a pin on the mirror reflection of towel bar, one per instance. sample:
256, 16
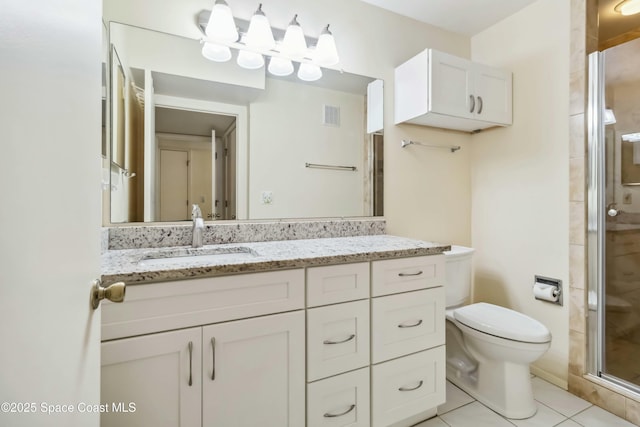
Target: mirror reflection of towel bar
453, 148
336, 167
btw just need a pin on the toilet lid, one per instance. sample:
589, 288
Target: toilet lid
502, 322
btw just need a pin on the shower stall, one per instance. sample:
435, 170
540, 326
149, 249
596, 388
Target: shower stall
613, 224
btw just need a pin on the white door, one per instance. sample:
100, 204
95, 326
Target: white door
159, 374
253, 372
493, 91
174, 191
451, 85
50, 211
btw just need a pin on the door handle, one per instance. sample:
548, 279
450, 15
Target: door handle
473, 103
114, 292
481, 104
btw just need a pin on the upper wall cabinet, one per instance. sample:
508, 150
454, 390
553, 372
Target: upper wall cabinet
442, 90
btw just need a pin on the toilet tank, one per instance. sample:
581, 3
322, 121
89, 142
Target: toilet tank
458, 275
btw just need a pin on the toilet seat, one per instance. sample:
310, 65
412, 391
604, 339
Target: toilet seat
502, 322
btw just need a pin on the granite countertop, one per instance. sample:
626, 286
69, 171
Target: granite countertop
133, 267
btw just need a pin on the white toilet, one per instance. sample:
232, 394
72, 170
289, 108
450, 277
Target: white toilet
489, 348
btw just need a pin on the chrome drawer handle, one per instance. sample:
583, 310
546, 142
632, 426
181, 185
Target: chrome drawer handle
352, 336
473, 103
213, 359
190, 363
411, 389
413, 325
481, 104
410, 274
330, 415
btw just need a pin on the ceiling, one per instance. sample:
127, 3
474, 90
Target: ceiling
468, 17
612, 24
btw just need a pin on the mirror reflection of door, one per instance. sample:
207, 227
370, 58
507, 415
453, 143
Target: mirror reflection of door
192, 163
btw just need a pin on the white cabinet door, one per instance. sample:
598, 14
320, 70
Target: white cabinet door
340, 401
493, 92
337, 339
451, 85
159, 374
253, 372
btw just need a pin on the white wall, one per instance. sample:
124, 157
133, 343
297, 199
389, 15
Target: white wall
520, 174
286, 131
427, 192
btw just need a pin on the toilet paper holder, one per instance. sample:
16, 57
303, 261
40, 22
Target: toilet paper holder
547, 289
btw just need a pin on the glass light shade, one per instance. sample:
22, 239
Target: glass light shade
326, 53
309, 72
259, 35
609, 117
628, 7
294, 43
221, 26
280, 66
250, 60
216, 52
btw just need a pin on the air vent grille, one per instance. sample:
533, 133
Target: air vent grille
331, 115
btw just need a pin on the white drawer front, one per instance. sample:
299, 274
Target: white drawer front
172, 305
407, 323
337, 283
337, 339
339, 401
406, 274
406, 387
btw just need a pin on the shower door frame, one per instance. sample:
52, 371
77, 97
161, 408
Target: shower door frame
596, 224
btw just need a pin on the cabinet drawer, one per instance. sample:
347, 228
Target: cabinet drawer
407, 323
406, 274
337, 283
405, 388
339, 401
173, 305
337, 339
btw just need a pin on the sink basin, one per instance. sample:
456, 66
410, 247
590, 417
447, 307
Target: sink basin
196, 255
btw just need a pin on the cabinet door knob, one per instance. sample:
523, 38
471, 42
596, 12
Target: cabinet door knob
481, 104
114, 292
410, 274
473, 103
213, 359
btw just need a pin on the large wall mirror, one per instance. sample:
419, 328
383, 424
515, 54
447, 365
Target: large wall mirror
240, 143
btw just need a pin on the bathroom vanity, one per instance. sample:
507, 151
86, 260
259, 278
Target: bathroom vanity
321, 332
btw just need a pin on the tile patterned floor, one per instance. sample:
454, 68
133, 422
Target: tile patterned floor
556, 407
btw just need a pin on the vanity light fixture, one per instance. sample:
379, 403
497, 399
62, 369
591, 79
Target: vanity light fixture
609, 117
628, 7
258, 41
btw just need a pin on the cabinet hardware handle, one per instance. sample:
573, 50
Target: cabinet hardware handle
413, 325
190, 363
413, 388
473, 103
352, 336
410, 274
213, 359
330, 415
481, 104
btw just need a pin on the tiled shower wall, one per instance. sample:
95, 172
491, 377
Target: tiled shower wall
584, 40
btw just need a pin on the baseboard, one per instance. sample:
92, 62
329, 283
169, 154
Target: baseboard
562, 383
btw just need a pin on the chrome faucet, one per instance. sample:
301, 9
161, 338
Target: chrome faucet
198, 226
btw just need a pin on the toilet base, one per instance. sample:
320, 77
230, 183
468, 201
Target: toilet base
503, 387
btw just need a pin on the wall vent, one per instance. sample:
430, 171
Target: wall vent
331, 115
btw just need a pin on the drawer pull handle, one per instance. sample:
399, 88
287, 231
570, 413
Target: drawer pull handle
412, 388
473, 103
190, 363
213, 359
412, 325
330, 415
481, 104
410, 274
352, 336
